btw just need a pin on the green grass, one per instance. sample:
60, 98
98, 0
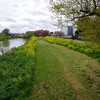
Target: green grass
64, 74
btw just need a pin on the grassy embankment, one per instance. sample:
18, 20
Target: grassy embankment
61, 73
64, 74
89, 49
17, 71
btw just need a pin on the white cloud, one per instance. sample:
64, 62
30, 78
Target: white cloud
23, 15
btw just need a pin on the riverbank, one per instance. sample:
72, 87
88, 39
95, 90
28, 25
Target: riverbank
9, 44
17, 71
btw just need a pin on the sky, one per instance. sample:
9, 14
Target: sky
25, 15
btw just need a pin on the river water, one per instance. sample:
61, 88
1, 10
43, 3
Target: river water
8, 45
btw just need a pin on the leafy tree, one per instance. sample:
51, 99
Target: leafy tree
4, 43
2, 37
29, 34
40, 33
73, 9
6, 31
44, 33
89, 28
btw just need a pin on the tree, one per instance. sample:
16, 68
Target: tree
77, 35
2, 37
41, 33
29, 34
59, 33
4, 34
74, 9
6, 31
89, 28
44, 33
85, 14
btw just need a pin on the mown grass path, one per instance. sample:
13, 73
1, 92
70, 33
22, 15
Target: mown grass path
64, 74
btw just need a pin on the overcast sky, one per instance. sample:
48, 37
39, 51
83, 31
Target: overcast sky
25, 15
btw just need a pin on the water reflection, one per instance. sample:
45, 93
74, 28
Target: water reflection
9, 44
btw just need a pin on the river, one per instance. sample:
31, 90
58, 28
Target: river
8, 45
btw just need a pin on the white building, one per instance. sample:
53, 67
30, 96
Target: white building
68, 30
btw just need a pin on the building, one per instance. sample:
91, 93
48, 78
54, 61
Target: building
68, 30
